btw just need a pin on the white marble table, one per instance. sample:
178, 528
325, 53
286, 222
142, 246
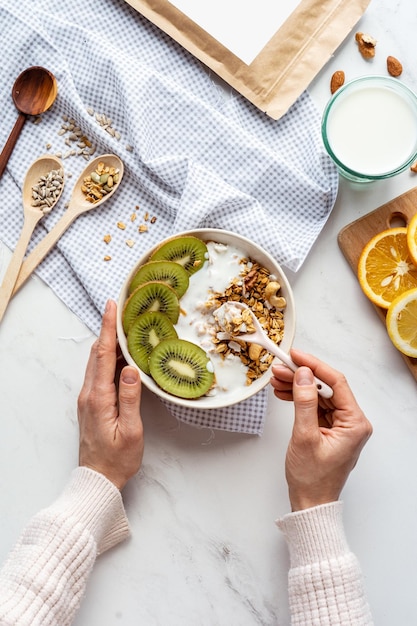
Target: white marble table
204, 549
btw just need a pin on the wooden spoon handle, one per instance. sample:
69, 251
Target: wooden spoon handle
12, 272
44, 246
10, 143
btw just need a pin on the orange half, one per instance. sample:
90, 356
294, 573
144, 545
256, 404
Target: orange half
401, 323
386, 268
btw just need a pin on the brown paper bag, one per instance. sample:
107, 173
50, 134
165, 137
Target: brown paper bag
286, 65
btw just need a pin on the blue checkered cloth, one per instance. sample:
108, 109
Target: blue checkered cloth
193, 156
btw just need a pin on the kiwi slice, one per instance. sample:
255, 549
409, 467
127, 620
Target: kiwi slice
173, 274
151, 296
188, 251
181, 368
145, 333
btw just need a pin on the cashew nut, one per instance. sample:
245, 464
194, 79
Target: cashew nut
271, 295
272, 289
278, 302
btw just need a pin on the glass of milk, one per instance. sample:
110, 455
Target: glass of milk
369, 128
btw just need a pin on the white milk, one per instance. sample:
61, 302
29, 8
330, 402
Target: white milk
372, 130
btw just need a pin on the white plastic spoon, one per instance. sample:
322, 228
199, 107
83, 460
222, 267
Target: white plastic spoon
32, 214
261, 338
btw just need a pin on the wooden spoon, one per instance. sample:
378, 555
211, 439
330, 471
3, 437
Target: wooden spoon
32, 215
78, 204
33, 93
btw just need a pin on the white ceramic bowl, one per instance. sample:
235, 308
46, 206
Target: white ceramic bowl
256, 253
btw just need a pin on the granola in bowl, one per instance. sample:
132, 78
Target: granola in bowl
234, 269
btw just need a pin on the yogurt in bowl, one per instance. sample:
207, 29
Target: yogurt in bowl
232, 260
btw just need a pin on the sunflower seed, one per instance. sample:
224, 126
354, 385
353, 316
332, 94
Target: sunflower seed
47, 190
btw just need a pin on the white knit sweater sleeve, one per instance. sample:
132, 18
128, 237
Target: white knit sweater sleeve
43, 579
325, 583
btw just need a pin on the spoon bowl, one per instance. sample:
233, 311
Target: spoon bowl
78, 198
260, 337
40, 167
32, 214
33, 93
78, 204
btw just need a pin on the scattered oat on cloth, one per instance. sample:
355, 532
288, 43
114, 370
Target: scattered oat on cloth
193, 157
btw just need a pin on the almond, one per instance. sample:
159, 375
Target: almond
413, 167
337, 80
366, 45
394, 67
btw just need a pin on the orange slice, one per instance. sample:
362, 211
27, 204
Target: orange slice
401, 323
386, 268
412, 238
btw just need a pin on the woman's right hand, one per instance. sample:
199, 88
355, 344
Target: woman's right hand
328, 435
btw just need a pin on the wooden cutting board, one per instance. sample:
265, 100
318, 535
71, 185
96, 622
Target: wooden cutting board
353, 237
